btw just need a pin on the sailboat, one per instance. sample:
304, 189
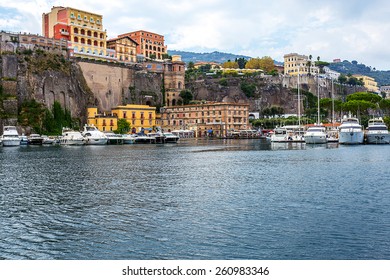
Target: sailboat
290, 133
316, 134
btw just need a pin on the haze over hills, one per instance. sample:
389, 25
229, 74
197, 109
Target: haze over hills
345, 67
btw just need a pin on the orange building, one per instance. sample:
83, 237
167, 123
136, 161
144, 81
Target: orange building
221, 117
83, 31
149, 44
125, 48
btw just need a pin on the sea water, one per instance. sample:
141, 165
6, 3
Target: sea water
198, 199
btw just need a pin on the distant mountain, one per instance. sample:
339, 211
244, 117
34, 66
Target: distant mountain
346, 67
218, 57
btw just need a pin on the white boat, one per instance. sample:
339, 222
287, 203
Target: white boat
377, 132
171, 138
128, 139
350, 131
93, 136
288, 133
315, 135
10, 136
71, 137
113, 139
332, 135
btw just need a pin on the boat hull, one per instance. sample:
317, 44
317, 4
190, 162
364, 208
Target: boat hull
95, 141
11, 142
315, 139
351, 137
378, 138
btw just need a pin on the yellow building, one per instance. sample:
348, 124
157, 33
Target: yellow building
83, 30
125, 47
369, 83
103, 122
138, 116
294, 63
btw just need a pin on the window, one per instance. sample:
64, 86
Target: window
124, 115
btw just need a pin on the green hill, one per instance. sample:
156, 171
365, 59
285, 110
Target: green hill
218, 57
346, 67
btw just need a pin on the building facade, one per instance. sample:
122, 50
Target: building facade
221, 118
103, 122
369, 83
140, 117
149, 44
174, 80
295, 63
386, 90
83, 30
10, 41
125, 49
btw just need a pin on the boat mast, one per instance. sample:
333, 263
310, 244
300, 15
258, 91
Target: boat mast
332, 105
318, 98
299, 103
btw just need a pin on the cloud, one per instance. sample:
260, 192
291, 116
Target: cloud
329, 29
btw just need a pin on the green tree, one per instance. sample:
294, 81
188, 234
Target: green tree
123, 127
248, 88
186, 96
241, 62
191, 65
32, 114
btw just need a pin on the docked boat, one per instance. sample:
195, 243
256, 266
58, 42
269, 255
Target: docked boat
128, 139
144, 139
290, 133
377, 132
350, 131
113, 139
71, 137
159, 137
48, 140
93, 136
10, 136
23, 140
332, 135
171, 138
315, 135
35, 139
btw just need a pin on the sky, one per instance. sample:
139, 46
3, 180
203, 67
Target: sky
332, 29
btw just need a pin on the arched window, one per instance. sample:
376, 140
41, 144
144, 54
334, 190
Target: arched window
76, 49
101, 44
76, 30
95, 43
89, 42
95, 34
76, 39
101, 36
82, 41
89, 33
173, 102
82, 32
179, 85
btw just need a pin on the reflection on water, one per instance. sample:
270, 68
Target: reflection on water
199, 199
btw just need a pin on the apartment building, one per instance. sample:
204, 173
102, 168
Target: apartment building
385, 89
140, 117
83, 30
220, 117
10, 41
295, 63
125, 48
369, 83
149, 44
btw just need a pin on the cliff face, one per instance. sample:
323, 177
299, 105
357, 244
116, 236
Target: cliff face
268, 90
48, 77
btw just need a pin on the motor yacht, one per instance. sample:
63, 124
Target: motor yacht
113, 139
71, 137
350, 131
290, 133
377, 132
35, 139
315, 135
171, 138
10, 136
93, 136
